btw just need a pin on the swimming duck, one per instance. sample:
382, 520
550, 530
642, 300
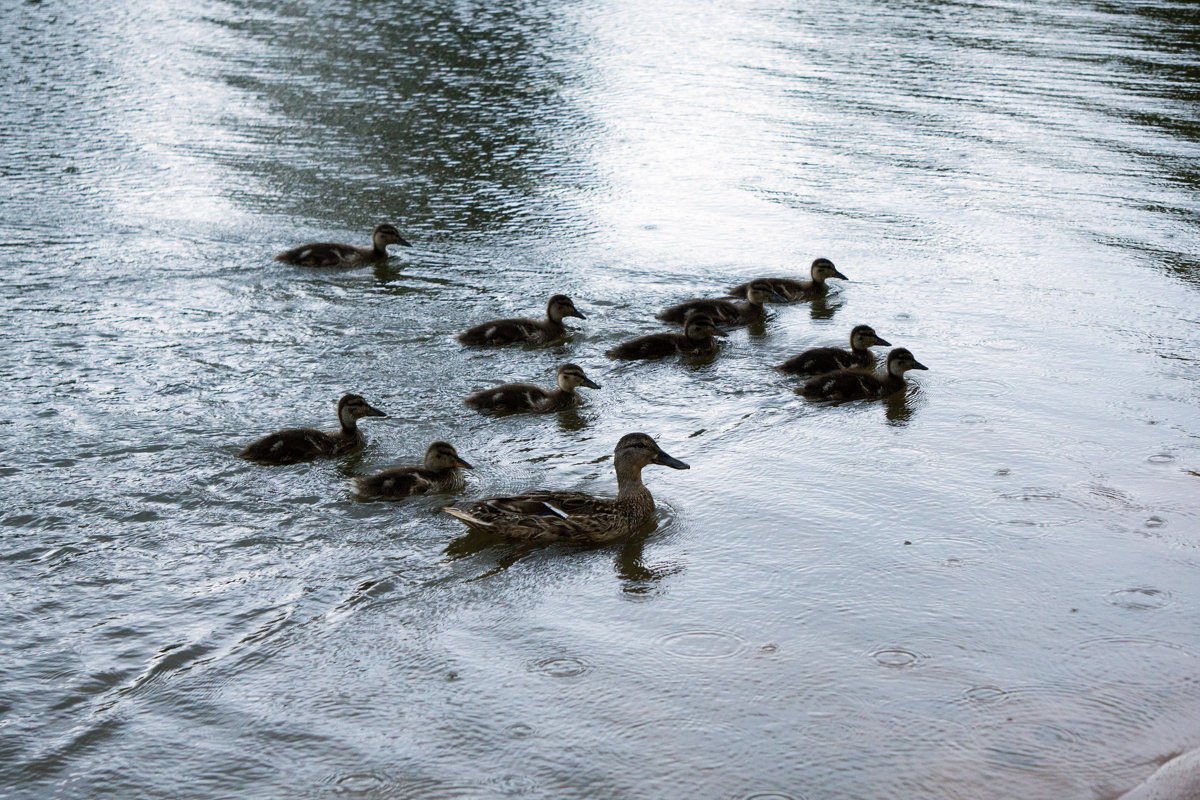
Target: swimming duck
575, 516
537, 331
821, 360
331, 254
696, 339
793, 290
526, 397
302, 444
850, 384
441, 473
727, 312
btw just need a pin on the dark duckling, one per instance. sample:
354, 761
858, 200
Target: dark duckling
793, 290
849, 384
821, 360
537, 331
331, 254
576, 516
727, 312
303, 444
512, 397
696, 339
441, 473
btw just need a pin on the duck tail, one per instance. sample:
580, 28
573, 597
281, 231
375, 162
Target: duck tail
472, 522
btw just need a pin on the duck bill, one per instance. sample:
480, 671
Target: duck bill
837, 274
575, 313
400, 240
591, 384
462, 463
882, 342
918, 365
718, 332
778, 297
669, 461
374, 412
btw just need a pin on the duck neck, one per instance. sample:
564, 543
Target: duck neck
561, 398
379, 247
349, 425
629, 482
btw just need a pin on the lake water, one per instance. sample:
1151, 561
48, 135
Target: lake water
983, 588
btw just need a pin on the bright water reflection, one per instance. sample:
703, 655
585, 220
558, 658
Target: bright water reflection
983, 588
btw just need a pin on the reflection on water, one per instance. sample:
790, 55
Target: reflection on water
983, 586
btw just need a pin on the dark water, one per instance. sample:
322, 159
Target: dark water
987, 587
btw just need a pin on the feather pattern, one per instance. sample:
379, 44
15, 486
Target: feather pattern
304, 444
499, 332
333, 254
792, 290
440, 473
854, 385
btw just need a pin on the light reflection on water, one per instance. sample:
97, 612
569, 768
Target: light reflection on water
983, 587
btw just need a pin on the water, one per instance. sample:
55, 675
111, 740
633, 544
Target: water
983, 588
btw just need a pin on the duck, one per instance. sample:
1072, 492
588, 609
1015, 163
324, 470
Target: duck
821, 360
851, 384
696, 339
727, 312
440, 473
793, 290
513, 397
548, 516
537, 331
304, 444
332, 254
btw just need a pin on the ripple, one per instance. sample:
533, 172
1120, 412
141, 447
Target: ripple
896, 657
1139, 598
560, 667
973, 419
358, 784
702, 644
1160, 458
1026, 513
773, 796
1134, 661
519, 730
981, 387
985, 695
1154, 522
1030, 744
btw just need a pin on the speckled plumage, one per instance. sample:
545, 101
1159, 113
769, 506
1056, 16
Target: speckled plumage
853, 385
515, 397
696, 339
440, 473
821, 360
576, 516
304, 444
500, 332
793, 290
332, 254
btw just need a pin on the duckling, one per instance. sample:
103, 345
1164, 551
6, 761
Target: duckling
537, 331
331, 254
821, 360
576, 516
793, 290
696, 339
303, 444
441, 473
526, 397
850, 384
727, 312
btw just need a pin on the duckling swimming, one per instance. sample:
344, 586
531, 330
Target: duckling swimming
849, 384
821, 360
536, 331
303, 444
440, 474
696, 339
331, 254
575, 516
513, 397
794, 291
727, 312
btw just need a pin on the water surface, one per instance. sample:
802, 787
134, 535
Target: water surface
985, 587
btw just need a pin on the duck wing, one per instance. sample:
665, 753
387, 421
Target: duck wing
722, 311
818, 361
321, 254
502, 332
395, 482
654, 345
292, 445
509, 397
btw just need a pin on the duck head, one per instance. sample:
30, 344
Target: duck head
442, 456
900, 361
864, 336
700, 326
561, 306
571, 376
387, 234
823, 269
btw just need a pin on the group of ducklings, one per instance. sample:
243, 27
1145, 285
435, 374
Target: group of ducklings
834, 374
